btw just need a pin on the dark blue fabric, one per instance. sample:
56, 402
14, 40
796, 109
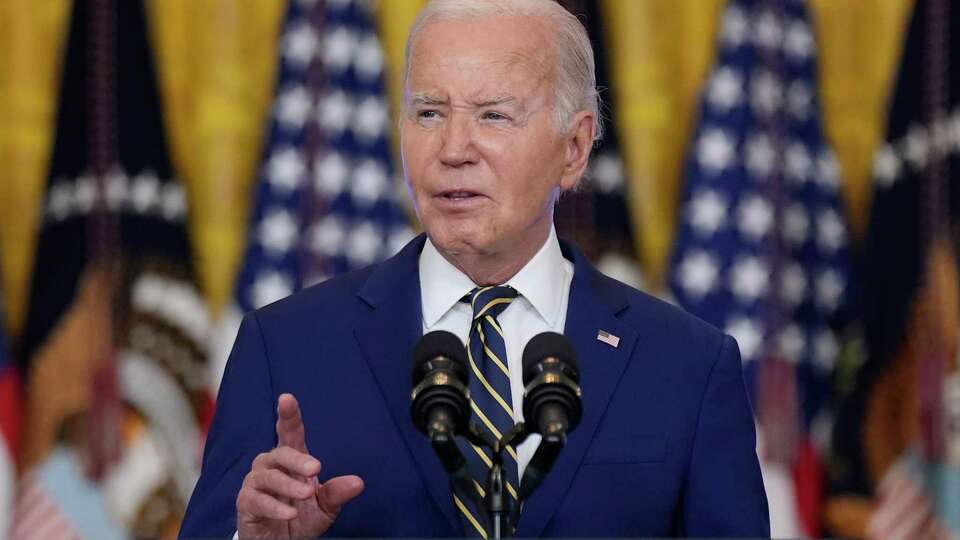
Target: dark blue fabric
666, 446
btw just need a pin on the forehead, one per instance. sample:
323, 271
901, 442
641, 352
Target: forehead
491, 51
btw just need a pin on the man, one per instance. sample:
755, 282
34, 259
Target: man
500, 116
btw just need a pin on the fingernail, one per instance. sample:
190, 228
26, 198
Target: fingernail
309, 464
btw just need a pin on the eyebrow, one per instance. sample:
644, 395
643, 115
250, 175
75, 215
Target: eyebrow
494, 101
420, 98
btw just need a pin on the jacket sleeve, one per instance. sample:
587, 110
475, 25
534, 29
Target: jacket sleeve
243, 426
724, 494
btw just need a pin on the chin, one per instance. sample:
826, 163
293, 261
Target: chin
450, 240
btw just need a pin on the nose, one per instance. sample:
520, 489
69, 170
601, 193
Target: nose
457, 146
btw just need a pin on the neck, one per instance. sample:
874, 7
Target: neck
497, 267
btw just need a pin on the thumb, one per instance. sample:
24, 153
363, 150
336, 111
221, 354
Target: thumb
290, 431
335, 492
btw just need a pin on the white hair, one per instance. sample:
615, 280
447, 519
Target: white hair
576, 84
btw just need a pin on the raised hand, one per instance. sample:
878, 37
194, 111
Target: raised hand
281, 496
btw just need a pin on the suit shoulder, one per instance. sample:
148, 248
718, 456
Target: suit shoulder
327, 299
666, 323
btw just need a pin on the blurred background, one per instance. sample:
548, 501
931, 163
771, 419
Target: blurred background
786, 170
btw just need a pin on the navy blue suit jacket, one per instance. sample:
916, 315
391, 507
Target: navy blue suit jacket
665, 447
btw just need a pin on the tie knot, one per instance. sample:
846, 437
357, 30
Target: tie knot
491, 300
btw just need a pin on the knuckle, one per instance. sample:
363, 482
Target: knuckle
243, 501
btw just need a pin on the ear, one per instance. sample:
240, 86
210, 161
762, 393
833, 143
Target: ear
579, 143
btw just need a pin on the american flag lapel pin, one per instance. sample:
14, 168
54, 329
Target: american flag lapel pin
608, 338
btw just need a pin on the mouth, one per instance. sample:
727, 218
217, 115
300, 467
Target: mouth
457, 195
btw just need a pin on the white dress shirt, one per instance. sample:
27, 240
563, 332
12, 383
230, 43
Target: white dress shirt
544, 287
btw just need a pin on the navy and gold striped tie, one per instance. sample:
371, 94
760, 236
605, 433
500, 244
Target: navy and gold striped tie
489, 396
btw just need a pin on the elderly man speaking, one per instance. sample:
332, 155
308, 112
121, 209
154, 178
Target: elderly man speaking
313, 434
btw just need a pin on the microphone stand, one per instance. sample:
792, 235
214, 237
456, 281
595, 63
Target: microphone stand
499, 511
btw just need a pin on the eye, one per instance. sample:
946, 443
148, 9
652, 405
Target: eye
427, 114
494, 115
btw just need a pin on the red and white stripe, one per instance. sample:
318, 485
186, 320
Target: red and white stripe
39, 517
904, 512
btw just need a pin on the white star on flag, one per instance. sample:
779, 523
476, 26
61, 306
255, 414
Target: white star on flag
726, 89
886, 166
708, 211
791, 343
715, 151
698, 273
85, 194
370, 182
293, 107
328, 236
372, 118
748, 335
831, 233
828, 172
915, 147
799, 41
825, 349
336, 110
330, 174
363, 244
607, 172
339, 46
750, 278
270, 287
145, 192
300, 45
756, 217
735, 27
829, 287
768, 31
117, 189
798, 163
278, 231
60, 199
173, 202
369, 58
285, 170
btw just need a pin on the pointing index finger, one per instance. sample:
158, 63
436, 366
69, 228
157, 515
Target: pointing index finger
290, 431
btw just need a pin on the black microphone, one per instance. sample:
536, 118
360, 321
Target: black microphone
441, 400
552, 404
551, 380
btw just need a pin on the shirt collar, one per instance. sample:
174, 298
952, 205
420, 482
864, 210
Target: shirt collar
540, 281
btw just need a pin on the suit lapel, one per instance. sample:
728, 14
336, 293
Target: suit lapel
592, 307
386, 334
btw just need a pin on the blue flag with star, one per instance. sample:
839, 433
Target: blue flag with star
326, 201
762, 248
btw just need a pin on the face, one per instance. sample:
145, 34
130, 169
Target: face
483, 154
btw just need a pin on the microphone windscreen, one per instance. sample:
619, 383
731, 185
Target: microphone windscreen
435, 344
545, 345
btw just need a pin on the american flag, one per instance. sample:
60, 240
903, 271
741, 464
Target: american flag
327, 201
762, 249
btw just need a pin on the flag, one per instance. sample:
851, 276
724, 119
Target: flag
9, 431
899, 430
113, 348
327, 200
762, 249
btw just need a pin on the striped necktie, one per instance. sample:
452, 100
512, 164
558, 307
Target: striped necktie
489, 396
